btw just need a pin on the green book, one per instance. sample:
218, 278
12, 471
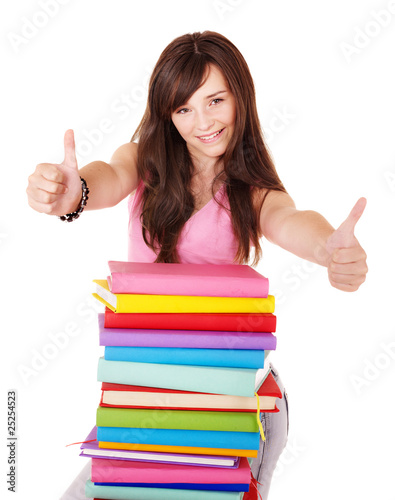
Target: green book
211, 379
234, 421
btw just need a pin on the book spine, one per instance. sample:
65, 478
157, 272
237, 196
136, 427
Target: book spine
138, 303
211, 379
199, 450
105, 470
178, 437
122, 493
209, 322
219, 487
232, 358
176, 419
210, 286
255, 341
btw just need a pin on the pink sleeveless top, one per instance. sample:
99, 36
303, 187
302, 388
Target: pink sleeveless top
206, 238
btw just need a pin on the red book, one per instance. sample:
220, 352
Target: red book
133, 396
248, 322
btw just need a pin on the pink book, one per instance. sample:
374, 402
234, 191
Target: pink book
206, 280
122, 471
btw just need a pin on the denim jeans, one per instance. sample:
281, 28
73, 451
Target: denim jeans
275, 427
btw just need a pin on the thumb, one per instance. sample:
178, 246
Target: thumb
70, 160
343, 237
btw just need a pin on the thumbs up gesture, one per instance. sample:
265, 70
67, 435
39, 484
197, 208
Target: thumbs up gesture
347, 262
55, 189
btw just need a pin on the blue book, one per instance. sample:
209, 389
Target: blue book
130, 493
180, 437
233, 358
183, 486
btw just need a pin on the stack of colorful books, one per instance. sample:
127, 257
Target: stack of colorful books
184, 377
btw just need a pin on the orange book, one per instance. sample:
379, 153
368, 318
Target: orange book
178, 449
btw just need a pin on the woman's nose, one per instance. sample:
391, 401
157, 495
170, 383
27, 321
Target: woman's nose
204, 121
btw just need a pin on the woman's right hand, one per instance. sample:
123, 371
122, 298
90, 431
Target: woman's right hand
55, 189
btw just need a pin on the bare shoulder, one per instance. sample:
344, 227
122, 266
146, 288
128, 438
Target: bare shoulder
124, 163
125, 156
273, 206
275, 199
266, 200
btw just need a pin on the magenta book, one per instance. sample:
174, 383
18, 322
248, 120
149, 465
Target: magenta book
120, 471
209, 280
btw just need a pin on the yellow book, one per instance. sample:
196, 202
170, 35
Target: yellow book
178, 449
144, 303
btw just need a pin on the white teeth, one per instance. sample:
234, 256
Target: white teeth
211, 136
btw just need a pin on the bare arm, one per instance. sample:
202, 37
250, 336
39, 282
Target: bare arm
309, 235
109, 183
301, 232
55, 189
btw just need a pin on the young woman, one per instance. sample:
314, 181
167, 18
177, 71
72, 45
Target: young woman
205, 189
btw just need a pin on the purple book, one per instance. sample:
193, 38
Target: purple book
185, 338
91, 449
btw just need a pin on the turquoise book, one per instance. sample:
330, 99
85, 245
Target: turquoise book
211, 379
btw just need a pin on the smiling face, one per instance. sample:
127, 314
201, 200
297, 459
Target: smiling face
206, 122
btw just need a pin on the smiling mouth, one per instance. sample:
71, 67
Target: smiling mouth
209, 138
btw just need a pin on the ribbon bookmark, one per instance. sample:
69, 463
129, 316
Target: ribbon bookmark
81, 442
258, 410
254, 483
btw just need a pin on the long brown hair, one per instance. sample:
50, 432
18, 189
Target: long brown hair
164, 163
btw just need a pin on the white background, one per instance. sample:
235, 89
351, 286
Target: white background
312, 61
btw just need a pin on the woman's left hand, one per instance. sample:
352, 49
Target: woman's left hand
347, 266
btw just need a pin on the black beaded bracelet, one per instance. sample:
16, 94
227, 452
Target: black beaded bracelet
84, 198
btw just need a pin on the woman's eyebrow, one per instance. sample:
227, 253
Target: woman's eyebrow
209, 96
216, 93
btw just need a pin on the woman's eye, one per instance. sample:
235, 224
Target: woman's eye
182, 111
216, 101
